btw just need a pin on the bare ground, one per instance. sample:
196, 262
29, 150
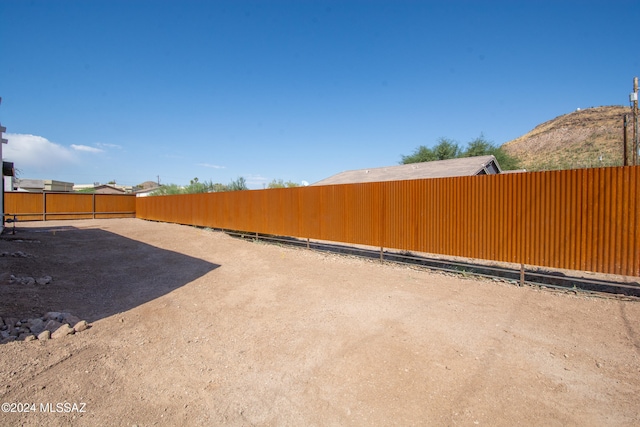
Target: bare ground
193, 327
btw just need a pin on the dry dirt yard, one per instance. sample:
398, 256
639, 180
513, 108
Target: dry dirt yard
193, 327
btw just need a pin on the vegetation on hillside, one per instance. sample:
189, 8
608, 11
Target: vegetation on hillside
587, 138
448, 149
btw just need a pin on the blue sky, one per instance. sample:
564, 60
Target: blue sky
97, 90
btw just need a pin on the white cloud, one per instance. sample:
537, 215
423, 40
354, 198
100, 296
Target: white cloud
37, 154
102, 145
207, 165
86, 148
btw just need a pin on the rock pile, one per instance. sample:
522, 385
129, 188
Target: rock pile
52, 325
18, 254
28, 281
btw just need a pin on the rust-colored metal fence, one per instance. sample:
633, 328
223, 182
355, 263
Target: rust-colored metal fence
586, 219
48, 206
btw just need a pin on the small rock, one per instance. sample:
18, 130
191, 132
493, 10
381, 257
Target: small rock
69, 318
52, 325
44, 335
28, 281
44, 280
30, 337
62, 331
36, 326
81, 326
53, 315
599, 365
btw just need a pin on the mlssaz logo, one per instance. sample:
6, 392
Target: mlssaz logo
64, 407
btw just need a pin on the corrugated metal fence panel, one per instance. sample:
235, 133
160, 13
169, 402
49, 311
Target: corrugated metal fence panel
309, 212
115, 206
31, 206
581, 219
27, 206
576, 219
342, 213
68, 206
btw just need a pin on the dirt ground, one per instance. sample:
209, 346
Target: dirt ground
194, 327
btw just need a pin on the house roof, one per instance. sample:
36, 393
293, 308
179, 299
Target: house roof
465, 166
108, 189
146, 191
148, 184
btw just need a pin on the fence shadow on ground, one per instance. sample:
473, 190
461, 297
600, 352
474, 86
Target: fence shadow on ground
95, 273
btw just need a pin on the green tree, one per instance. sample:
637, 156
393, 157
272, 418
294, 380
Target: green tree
506, 161
167, 189
218, 187
421, 154
481, 147
195, 186
447, 149
238, 185
443, 150
281, 184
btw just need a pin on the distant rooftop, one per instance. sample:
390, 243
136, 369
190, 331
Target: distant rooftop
465, 166
39, 185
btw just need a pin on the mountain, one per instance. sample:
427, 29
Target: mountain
592, 137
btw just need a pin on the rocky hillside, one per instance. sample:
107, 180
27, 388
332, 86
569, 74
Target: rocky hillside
584, 138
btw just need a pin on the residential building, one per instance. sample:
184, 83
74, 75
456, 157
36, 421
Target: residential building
465, 166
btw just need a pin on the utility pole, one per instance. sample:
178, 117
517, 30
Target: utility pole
625, 146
